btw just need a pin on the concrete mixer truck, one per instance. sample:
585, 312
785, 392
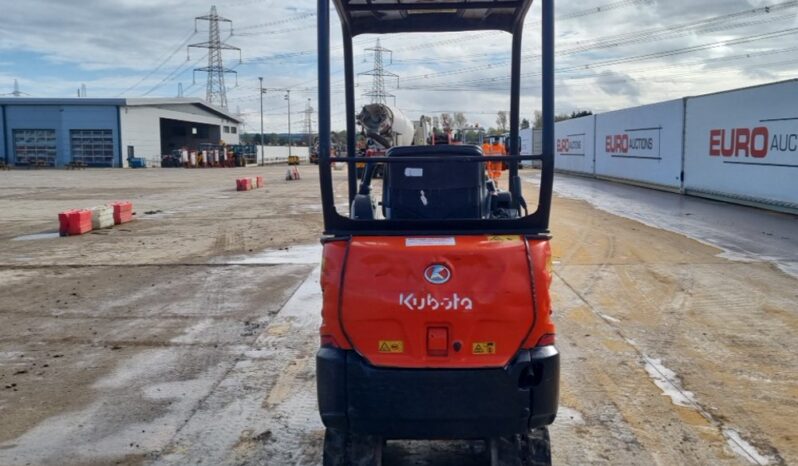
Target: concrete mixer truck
385, 127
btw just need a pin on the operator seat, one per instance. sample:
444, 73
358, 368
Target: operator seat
434, 190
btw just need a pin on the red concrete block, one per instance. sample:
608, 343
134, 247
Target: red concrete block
63, 222
244, 184
74, 222
123, 212
259, 181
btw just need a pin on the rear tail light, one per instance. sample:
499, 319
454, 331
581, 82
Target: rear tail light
328, 341
546, 340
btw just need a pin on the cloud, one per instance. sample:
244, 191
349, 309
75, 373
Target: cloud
611, 54
618, 84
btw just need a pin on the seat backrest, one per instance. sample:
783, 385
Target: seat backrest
434, 190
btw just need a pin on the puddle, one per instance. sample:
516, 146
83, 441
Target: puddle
743, 448
744, 234
668, 382
305, 254
570, 416
609, 318
36, 236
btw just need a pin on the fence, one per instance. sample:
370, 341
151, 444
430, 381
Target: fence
739, 145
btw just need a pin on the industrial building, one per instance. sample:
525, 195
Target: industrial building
42, 132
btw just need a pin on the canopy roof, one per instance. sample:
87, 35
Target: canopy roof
390, 16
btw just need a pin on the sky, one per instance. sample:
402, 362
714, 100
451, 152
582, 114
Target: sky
611, 54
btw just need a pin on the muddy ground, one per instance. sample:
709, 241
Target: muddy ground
188, 335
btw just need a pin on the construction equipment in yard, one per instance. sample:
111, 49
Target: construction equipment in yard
244, 154
293, 160
436, 308
384, 127
136, 162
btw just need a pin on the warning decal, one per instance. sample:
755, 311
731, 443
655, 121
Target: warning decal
503, 238
391, 346
483, 347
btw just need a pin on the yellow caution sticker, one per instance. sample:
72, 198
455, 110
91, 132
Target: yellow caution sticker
391, 346
503, 237
483, 347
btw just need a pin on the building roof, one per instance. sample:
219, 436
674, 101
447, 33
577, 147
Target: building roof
59, 101
154, 102
123, 102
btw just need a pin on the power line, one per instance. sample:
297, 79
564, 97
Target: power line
715, 23
160, 65
181, 68
457, 37
278, 21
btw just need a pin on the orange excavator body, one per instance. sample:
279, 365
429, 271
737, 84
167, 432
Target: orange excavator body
378, 301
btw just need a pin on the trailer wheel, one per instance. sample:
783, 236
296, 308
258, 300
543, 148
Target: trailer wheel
531, 449
536, 448
343, 448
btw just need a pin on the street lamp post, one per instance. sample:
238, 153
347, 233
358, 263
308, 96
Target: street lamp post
262, 153
288, 98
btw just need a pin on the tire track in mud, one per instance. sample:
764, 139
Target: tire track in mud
143, 391
668, 382
263, 411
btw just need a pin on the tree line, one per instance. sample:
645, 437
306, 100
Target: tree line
456, 121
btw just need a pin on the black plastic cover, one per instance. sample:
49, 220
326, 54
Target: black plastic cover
438, 190
438, 403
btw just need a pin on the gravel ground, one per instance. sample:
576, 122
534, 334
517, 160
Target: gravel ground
188, 335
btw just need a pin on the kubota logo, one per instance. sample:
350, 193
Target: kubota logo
453, 302
437, 274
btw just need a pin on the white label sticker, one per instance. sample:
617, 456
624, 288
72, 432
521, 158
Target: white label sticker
414, 172
411, 242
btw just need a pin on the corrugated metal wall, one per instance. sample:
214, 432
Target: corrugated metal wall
60, 120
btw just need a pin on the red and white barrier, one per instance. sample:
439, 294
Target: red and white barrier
79, 221
102, 217
292, 174
74, 222
123, 212
248, 184
243, 184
